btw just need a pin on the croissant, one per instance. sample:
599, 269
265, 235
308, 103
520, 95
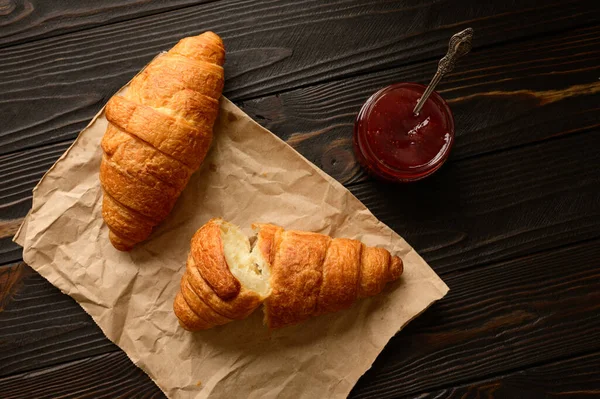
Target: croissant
296, 275
158, 134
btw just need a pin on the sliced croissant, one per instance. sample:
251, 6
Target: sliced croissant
296, 275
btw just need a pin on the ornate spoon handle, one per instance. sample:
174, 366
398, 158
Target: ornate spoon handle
460, 44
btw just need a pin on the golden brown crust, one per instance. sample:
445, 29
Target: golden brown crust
119, 242
296, 277
207, 252
188, 319
166, 77
185, 105
159, 133
144, 162
341, 272
171, 136
153, 202
349, 270
238, 308
210, 49
373, 271
126, 226
396, 269
268, 239
200, 307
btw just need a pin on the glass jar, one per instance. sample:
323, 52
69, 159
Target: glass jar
393, 143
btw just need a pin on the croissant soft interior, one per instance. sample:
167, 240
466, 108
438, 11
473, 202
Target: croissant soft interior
245, 263
296, 275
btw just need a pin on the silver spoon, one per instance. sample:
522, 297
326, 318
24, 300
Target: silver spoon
460, 44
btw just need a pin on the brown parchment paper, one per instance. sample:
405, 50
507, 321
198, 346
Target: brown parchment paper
249, 175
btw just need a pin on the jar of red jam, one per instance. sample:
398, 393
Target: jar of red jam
395, 144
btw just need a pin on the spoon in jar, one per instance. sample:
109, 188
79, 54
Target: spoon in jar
460, 44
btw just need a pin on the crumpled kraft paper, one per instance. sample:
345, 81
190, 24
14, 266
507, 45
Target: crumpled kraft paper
249, 176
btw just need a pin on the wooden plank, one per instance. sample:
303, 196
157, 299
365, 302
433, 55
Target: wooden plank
11, 280
577, 377
40, 326
106, 376
498, 318
19, 173
545, 101
9, 251
8, 228
501, 97
318, 120
508, 316
496, 207
27, 20
490, 208
574, 377
51, 88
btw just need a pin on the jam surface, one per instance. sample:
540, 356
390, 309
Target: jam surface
393, 143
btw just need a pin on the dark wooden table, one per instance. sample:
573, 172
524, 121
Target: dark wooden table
511, 222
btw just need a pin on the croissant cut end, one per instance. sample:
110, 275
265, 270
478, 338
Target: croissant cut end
245, 261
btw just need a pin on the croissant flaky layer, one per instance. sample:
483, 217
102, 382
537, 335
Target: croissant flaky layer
296, 275
158, 135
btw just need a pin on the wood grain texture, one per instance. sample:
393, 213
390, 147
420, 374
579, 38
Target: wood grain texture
495, 319
106, 376
27, 20
492, 202
38, 322
8, 228
9, 251
577, 377
503, 317
501, 97
491, 208
509, 95
549, 100
51, 88
11, 279
19, 173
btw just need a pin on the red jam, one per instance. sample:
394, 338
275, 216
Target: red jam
393, 143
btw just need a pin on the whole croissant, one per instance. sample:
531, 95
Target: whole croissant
296, 274
158, 135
